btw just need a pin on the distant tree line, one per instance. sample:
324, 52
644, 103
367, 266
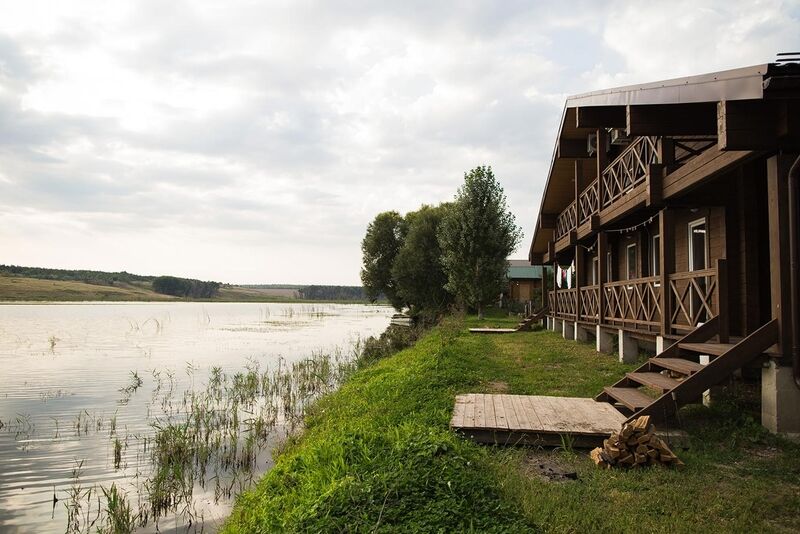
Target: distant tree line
89, 277
185, 287
166, 285
437, 256
316, 292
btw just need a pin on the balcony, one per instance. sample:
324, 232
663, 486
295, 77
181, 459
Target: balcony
627, 177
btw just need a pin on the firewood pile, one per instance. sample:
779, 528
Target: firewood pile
635, 445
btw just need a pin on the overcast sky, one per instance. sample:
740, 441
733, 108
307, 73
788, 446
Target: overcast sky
252, 142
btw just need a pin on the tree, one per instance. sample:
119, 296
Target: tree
417, 270
477, 235
379, 248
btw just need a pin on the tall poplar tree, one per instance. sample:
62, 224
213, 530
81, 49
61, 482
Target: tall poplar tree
477, 235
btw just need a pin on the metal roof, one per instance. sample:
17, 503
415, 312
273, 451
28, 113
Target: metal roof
522, 269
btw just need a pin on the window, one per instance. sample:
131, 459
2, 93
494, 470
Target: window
655, 257
595, 271
631, 261
698, 260
609, 269
698, 245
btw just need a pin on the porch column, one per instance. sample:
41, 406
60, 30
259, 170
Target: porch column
780, 397
666, 244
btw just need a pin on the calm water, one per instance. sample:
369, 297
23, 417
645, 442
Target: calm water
63, 373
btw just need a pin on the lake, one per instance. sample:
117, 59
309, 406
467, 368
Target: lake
91, 394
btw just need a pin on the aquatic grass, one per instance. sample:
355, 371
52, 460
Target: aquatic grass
119, 516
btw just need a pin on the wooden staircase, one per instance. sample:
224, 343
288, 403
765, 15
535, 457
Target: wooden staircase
527, 323
675, 377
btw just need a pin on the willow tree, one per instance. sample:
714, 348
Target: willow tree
379, 248
476, 236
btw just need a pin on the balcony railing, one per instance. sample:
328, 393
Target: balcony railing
633, 304
628, 170
567, 221
589, 201
693, 298
563, 303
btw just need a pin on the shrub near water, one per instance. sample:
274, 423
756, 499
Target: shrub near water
378, 454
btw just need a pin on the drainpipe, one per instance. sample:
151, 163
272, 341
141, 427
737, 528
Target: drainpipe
794, 277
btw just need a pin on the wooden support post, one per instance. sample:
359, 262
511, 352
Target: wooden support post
778, 203
666, 243
602, 275
579, 273
722, 301
602, 155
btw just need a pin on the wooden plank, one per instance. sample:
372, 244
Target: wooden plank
600, 117
632, 398
714, 349
491, 419
469, 411
500, 412
543, 413
532, 421
654, 380
457, 421
480, 419
703, 168
511, 414
672, 119
679, 365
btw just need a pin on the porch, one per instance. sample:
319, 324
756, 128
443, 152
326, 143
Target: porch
643, 305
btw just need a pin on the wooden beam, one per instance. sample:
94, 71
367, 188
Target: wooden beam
672, 119
536, 258
666, 243
757, 125
547, 221
600, 117
573, 149
778, 207
655, 185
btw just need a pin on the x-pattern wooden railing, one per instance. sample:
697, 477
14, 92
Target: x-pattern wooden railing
563, 303
633, 303
567, 221
689, 147
692, 298
589, 201
629, 169
590, 300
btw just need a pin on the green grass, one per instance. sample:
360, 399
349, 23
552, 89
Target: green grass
377, 455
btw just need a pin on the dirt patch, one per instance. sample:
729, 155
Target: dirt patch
547, 466
497, 386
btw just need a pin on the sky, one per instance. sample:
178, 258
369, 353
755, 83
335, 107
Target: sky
253, 142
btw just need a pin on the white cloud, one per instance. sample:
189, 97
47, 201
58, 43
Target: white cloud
253, 142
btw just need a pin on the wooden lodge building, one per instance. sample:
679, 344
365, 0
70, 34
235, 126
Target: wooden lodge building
677, 204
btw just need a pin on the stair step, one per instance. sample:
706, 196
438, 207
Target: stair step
632, 398
715, 349
654, 380
679, 365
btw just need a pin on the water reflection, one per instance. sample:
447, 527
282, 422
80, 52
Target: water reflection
83, 383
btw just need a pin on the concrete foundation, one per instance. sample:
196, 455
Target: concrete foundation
663, 344
581, 333
604, 340
628, 348
558, 325
568, 330
780, 401
710, 394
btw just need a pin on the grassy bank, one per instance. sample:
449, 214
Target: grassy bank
23, 289
378, 455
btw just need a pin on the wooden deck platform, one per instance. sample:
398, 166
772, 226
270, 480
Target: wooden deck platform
534, 420
492, 330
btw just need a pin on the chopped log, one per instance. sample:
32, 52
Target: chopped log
634, 445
